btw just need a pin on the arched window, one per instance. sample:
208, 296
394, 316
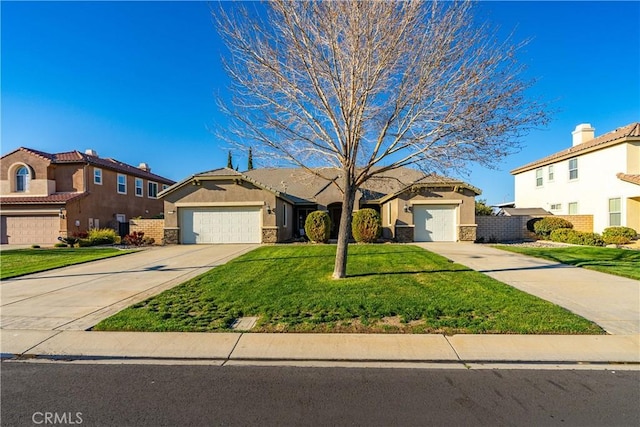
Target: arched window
22, 179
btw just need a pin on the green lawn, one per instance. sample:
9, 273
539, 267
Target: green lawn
622, 262
390, 288
25, 261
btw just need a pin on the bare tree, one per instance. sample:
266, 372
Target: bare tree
367, 87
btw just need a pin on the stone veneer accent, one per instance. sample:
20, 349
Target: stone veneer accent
467, 233
171, 236
404, 234
269, 235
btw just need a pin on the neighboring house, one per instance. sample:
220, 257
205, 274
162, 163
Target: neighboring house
44, 196
271, 205
510, 211
596, 176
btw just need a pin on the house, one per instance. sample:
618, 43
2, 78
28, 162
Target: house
597, 176
271, 205
44, 196
511, 211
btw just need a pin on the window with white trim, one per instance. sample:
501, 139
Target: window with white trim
23, 177
97, 176
122, 184
615, 212
573, 168
139, 187
573, 208
539, 177
152, 189
556, 206
550, 174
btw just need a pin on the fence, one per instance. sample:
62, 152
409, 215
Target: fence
153, 228
507, 228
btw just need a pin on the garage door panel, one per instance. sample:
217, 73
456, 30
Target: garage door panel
28, 230
434, 223
221, 225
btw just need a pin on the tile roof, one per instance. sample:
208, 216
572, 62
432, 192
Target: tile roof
611, 138
107, 163
632, 178
52, 199
524, 211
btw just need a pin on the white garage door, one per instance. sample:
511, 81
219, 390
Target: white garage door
434, 223
221, 225
29, 230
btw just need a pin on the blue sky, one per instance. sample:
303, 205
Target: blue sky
136, 81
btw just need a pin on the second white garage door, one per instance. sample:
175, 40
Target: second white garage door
221, 225
434, 223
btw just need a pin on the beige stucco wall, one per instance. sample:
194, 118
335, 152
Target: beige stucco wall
39, 184
633, 158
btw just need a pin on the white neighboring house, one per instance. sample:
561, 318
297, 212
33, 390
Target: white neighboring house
596, 176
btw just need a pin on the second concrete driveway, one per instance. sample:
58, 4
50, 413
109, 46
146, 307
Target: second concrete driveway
613, 302
79, 296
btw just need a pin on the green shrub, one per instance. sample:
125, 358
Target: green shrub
619, 235
83, 243
318, 226
568, 235
531, 224
366, 225
35, 246
102, 236
545, 226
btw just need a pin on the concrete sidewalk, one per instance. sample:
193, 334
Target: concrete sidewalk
226, 348
613, 302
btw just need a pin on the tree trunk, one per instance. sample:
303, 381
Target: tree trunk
348, 200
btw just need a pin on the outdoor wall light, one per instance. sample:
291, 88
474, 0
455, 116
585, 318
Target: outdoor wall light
407, 208
269, 210
61, 213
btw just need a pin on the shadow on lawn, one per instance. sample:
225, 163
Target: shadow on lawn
395, 273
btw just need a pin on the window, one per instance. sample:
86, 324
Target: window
615, 212
539, 177
122, 184
573, 208
573, 168
550, 173
556, 206
152, 189
22, 179
139, 184
97, 176
284, 215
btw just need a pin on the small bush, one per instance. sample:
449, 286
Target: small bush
318, 226
619, 235
148, 241
568, 235
35, 246
531, 223
60, 245
366, 225
134, 239
545, 226
102, 236
84, 243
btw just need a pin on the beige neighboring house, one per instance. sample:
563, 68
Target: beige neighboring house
597, 176
271, 205
44, 196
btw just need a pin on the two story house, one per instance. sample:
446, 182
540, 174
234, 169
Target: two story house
597, 176
44, 196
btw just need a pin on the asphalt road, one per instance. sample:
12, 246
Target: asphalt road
153, 395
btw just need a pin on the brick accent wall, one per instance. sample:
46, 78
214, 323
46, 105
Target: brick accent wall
153, 228
404, 234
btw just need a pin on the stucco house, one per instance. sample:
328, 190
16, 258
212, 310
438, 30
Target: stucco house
271, 205
597, 176
44, 196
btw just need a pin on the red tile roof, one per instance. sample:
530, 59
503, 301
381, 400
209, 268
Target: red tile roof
52, 199
611, 138
107, 163
632, 178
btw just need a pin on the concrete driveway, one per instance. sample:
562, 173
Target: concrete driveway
79, 296
613, 302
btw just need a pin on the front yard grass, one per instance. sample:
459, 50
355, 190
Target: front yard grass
19, 262
622, 262
390, 288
